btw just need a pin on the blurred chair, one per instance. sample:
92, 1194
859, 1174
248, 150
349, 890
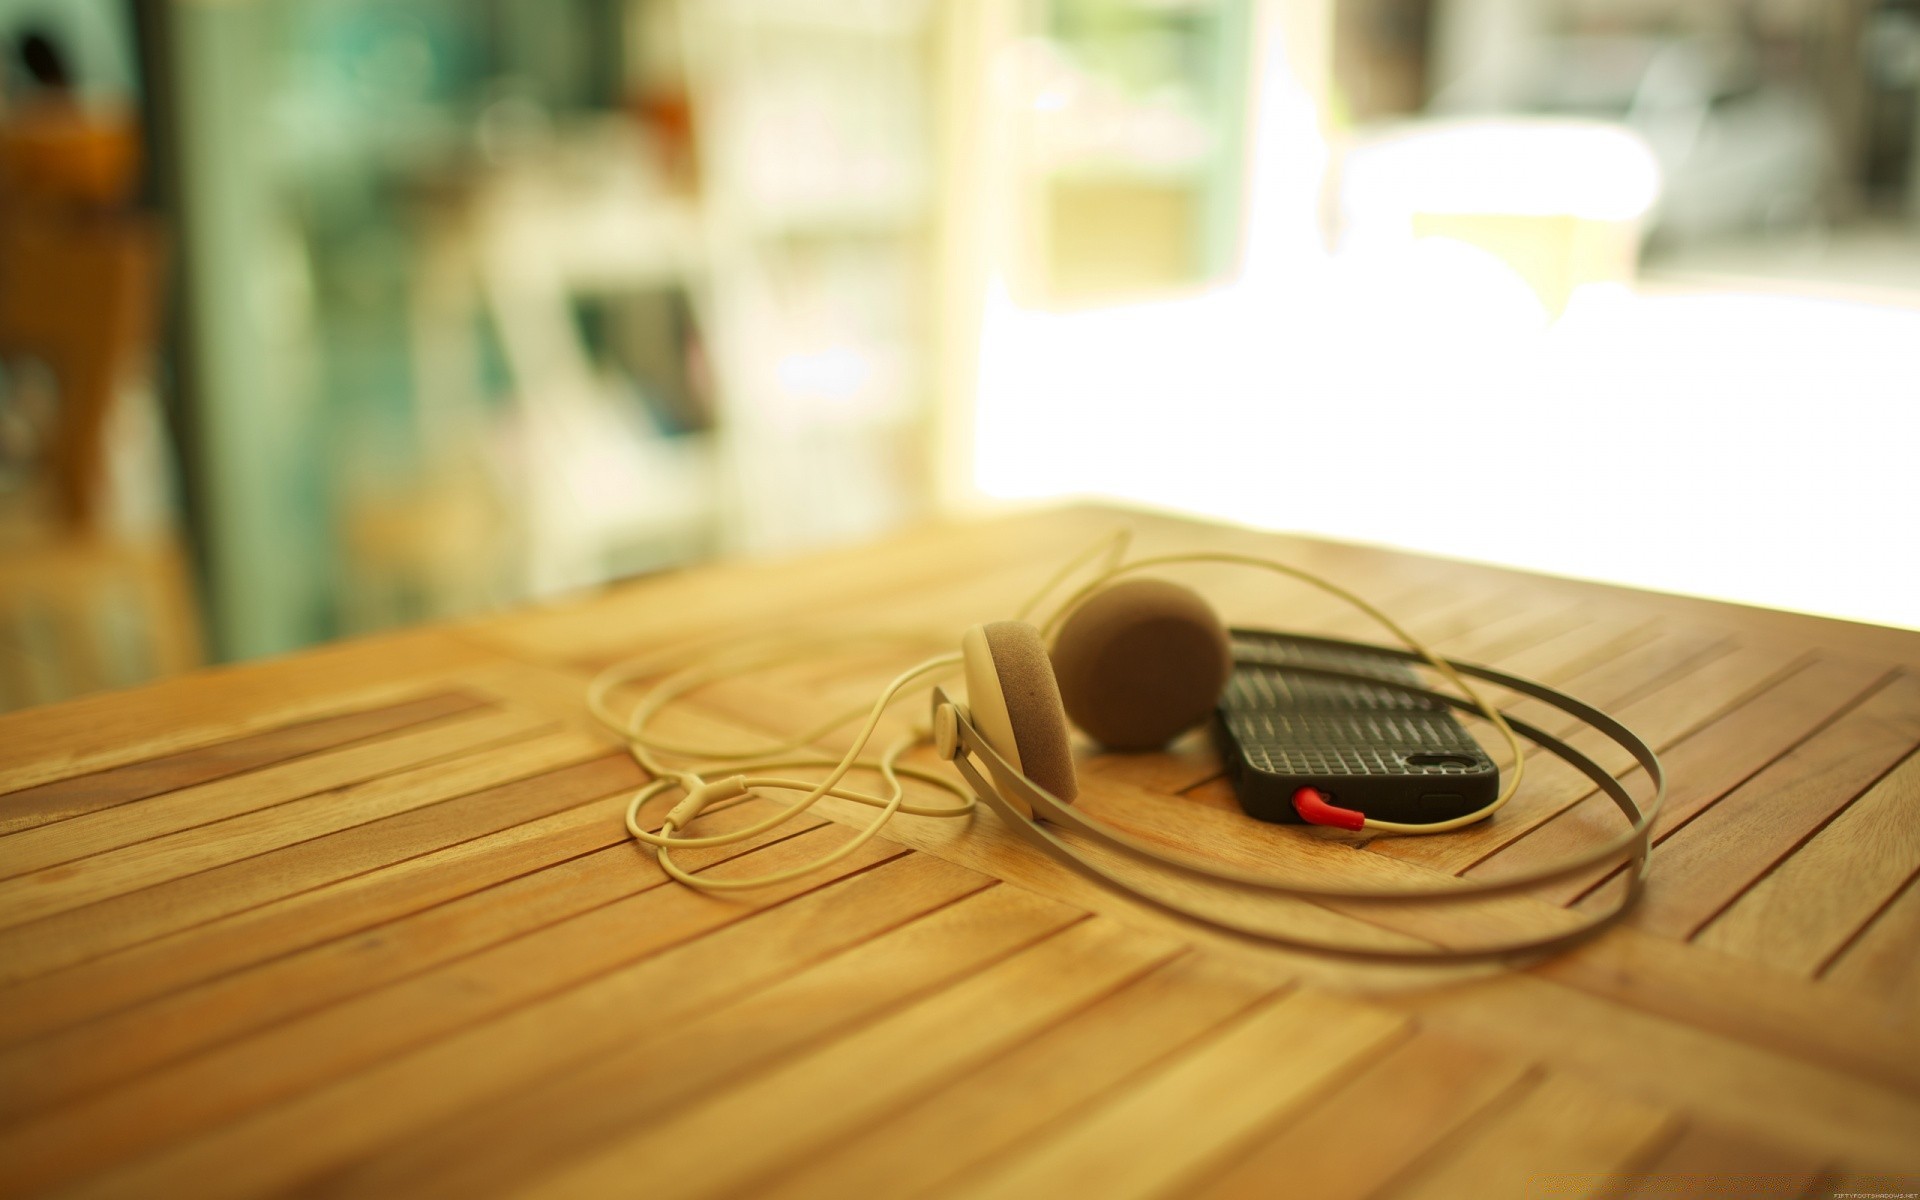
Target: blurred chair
85, 602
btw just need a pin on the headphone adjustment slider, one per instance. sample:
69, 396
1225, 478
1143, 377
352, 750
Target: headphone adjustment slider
688, 810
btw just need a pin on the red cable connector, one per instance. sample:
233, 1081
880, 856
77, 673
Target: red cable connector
1314, 810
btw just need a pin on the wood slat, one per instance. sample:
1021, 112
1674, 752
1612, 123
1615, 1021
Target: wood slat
189, 808
757, 1127
158, 860
1056, 1076
1204, 834
420, 861
1736, 1084
1419, 1094
309, 1139
1711, 860
74, 936
81, 794
201, 1093
1857, 1035
1274, 1062
1550, 784
1570, 814
1702, 1158
654, 1071
1800, 915
110, 729
1561, 1137
1704, 765
97, 1054
1881, 963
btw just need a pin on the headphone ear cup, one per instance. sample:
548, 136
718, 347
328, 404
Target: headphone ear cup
1015, 703
1141, 662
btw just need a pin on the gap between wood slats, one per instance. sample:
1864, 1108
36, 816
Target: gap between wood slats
1497, 1108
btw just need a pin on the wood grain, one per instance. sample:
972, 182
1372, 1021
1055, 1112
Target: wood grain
1064, 1072
1702, 766
526, 1134
80, 794
1880, 962
733, 1138
508, 831
1704, 1157
190, 851
110, 729
1409, 1101
190, 808
1560, 1137
1273, 1062
366, 922
53, 1069
199, 1094
1800, 915
1715, 857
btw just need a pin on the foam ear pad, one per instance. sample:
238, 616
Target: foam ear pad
1032, 698
1141, 662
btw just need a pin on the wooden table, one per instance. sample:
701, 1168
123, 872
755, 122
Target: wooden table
365, 921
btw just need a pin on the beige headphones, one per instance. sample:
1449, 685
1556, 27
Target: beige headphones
1132, 663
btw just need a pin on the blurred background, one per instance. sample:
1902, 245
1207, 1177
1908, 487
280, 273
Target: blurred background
319, 317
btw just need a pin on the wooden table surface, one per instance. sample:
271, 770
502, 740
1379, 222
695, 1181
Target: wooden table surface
365, 921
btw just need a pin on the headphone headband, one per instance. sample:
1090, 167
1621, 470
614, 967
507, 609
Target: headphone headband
958, 741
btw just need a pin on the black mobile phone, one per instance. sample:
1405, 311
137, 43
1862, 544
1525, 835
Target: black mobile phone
1373, 748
